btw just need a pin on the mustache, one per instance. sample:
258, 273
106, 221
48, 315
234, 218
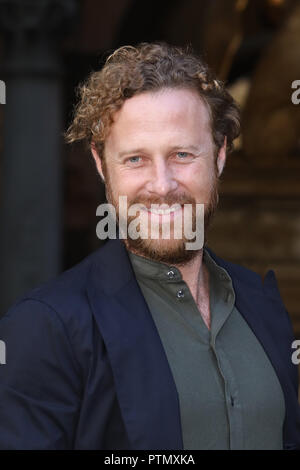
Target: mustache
169, 199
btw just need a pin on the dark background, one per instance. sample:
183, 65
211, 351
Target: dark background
50, 191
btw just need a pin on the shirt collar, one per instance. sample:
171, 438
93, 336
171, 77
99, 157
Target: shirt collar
157, 274
156, 270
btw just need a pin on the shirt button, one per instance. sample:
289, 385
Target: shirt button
170, 274
180, 294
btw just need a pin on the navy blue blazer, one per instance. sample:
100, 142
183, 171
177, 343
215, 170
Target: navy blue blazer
86, 369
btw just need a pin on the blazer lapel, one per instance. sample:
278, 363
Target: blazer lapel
265, 317
258, 311
145, 386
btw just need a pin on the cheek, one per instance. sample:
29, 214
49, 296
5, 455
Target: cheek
198, 179
125, 184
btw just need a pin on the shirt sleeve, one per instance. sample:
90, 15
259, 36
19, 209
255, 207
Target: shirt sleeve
40, 384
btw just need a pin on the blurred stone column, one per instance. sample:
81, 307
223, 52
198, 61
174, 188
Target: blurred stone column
31, 189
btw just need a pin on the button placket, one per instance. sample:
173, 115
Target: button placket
180, 294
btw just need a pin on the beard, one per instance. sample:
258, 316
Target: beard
170, 251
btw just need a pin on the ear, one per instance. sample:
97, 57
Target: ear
221, 159
97, 161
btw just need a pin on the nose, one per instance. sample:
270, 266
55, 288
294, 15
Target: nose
161, 182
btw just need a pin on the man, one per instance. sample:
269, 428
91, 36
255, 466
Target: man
147, 344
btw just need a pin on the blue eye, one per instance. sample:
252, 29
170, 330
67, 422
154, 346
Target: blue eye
182, 155
134, 159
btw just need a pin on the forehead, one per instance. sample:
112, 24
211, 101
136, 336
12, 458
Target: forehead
167, 111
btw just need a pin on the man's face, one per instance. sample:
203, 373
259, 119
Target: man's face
160, 150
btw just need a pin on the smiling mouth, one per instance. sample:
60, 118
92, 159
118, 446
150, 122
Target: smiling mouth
168, 211
163, 215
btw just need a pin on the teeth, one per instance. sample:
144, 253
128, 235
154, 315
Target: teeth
162, 211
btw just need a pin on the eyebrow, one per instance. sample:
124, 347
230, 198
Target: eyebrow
137, 151
129, 152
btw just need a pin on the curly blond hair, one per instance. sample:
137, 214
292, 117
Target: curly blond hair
149, 67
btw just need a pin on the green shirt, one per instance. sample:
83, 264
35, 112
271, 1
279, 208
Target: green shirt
229, 393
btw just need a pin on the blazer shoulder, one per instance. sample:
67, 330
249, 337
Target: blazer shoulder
65, 294
59, 305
